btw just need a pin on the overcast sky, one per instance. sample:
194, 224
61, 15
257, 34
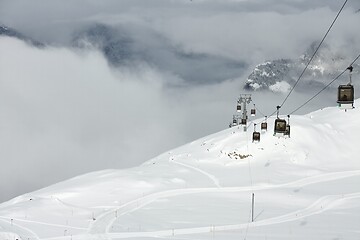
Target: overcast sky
66, 111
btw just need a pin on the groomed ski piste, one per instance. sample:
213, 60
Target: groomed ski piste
305, 187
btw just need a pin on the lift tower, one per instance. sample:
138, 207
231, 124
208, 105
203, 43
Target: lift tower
243, 100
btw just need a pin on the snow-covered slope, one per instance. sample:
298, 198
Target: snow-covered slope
306, 187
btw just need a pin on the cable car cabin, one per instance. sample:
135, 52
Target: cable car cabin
280, 127
287, 131
256, 137
252, 112
346, 96
234, 122
243, 121
238, 108
264, 126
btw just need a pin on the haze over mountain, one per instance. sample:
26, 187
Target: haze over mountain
280, 75
6, 31
122, 47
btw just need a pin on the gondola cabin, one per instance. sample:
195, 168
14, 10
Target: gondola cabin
346, 96
256, 137
238, 108
234, 122
287, 130
264, 126
279, 127
243, 121
253, 112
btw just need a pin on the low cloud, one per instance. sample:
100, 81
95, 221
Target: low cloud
66, 112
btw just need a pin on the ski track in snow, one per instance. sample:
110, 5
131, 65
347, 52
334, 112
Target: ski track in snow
44, 223
71, 205
104, 222
212, 177
323, 204
19, 230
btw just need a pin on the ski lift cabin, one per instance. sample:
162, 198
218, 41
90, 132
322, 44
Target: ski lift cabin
287, 130
264, 126
253, 112
346, 93
256, 137
238, 108
243, 121
346, 96
279, 127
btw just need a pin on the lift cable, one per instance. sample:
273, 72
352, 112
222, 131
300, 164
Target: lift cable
307, 65
336, 78
310, 99
257, 108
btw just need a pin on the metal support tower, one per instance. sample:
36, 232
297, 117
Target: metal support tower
244, 99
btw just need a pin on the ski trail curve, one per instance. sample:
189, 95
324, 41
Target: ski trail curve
212, 177
323, 204
69, 205
44, 223
106, 220
19, 230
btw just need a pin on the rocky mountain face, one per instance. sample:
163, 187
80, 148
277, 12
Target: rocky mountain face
6, 31
280, 75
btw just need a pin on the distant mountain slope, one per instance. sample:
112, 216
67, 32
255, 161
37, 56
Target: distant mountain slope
6, 31
203, 189
280, 75
122, 47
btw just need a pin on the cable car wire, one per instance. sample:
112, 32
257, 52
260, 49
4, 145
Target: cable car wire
336, 78
307, 65
257, 109
312, 57
321, 42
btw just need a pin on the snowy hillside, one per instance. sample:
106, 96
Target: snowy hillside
306, 187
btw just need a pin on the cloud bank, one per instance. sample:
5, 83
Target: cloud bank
66, 112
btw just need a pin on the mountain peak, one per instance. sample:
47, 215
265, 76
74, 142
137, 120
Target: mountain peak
280, 75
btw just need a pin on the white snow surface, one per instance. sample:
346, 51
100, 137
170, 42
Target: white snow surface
306, 187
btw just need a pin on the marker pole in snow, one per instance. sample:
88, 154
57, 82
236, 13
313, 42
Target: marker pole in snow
252, 207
